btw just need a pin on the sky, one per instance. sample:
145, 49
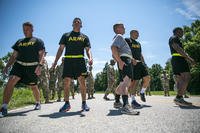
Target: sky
154, 20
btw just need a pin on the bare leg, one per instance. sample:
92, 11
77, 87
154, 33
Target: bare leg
146, 81
122, 88
81, 80
132, 87
8, 91
36, 93
67, 82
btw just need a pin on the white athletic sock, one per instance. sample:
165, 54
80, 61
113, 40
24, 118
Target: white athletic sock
37, 102
4, 106
133, 98
143, 90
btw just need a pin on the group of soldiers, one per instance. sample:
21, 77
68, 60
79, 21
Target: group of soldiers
27, 62
50, 81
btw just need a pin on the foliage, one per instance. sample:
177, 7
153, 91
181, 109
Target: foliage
191, 43
101, 80
155, 72
21, 97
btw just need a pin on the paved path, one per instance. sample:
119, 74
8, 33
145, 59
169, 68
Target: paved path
159, 115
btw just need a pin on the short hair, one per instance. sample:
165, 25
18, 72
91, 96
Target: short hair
77, 19
177, 29
131, 32
116, 25
28, 24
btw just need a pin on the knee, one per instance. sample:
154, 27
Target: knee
147, 79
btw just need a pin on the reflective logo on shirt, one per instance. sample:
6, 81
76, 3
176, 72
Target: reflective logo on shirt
26, 44
75, 39
135, 46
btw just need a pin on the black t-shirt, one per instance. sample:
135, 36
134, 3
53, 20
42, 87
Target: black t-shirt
75, 42
174, 39
28, 49
135, 48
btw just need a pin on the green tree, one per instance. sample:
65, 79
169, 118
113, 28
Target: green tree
155, 71
191, 44
101, 80
3, 61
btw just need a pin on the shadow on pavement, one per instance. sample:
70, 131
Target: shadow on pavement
22, 113
63, 114
114, 113
146, 106
188, 107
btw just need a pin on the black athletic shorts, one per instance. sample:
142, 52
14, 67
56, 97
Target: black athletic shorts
26, 73
127, 69
139, 71
74, 68
179, 65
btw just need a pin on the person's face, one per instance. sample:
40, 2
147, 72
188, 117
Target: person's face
135, 35
27, 31
180, 33
120, 29
112, 62
77, 24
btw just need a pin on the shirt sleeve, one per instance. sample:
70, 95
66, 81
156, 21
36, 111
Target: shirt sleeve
87, 42
63, 39
40, 45
15, 46
175, 40
117, 41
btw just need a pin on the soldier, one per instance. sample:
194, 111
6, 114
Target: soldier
139, 70
44, 80
60, 86
75, 44
165, 83
72, 89
175, 87
110, 79
121, 52
26, 62
52, 82
90, 84
180, 65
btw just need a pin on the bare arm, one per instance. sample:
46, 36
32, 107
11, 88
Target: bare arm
182, 52
116, 56
89, 55
10, 61
41, 58
58, 55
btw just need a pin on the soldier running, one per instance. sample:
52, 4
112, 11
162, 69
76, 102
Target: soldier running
139, 70
122, 54
180, 65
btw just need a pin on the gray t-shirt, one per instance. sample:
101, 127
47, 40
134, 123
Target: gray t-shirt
123, 47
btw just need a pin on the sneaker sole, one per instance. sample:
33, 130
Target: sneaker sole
137, 107
130, 113
180, 104
85, 110
65, 110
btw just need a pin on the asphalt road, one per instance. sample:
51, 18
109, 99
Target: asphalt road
159, 115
